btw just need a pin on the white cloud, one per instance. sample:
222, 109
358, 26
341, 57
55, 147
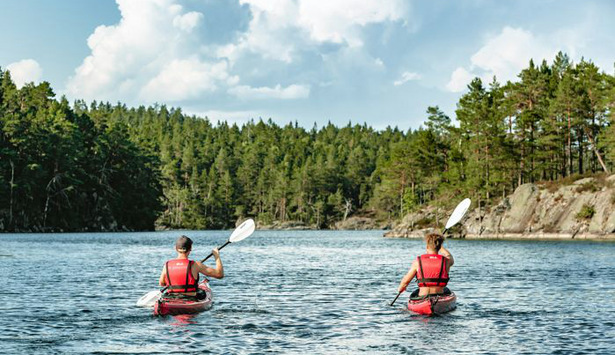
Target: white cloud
405, 77
459, 80
280, 28
188, 22
270, 31
507, 53
185, 79
278, 92
151, 54
338, 20
25, 71
158, 52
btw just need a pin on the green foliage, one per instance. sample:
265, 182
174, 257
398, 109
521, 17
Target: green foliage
588, 187
424, 222
99, 166
586, 212
62, 170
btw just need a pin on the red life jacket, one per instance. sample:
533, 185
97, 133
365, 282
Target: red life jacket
179, 276
432, 271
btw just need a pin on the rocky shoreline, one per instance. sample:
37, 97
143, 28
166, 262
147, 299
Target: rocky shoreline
420, 234
581, 210
351, 223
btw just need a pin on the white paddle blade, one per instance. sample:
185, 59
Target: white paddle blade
149, 299
458, 213
243, 231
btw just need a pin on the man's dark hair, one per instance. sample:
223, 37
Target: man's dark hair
183, 244
434, 241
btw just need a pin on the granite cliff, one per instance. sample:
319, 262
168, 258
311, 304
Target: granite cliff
583, 209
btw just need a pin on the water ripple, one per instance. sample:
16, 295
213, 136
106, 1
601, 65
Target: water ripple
304, 292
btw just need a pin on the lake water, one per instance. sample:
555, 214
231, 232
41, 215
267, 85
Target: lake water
309, 292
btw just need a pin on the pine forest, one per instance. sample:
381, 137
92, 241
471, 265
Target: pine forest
101, 167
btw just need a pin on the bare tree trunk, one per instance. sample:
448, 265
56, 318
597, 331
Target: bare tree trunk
487, 177
591, 140
593, 160
347, 208
532, 152
401, 203
580, 140
46, 209
12, 187
570, 172
522, 163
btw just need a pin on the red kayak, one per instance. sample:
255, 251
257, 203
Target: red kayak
432, 304
168, 305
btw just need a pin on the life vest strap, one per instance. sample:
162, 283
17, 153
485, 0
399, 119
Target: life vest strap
188, 272
181, 287
441, 268
166, 267
437, 279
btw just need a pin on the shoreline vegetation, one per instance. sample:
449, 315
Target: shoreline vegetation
107, 167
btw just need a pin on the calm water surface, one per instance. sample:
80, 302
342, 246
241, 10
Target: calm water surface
306, 292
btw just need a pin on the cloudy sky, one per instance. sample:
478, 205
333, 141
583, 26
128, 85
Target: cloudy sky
312, 61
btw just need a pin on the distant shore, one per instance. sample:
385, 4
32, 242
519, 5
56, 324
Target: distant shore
419, 234
416, 234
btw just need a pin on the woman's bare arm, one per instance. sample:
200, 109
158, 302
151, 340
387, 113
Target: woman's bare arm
407, 278
447, 254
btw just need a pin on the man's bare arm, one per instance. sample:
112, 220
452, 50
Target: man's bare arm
210, 271
217, 272
162, 281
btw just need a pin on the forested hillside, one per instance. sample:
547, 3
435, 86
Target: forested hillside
101, 166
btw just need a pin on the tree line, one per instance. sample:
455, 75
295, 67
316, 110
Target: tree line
101, 166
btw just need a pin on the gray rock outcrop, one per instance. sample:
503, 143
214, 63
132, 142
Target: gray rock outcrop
584, 209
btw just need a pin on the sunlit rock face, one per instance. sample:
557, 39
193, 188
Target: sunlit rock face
584, 209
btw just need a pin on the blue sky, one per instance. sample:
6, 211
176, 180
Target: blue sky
376, 61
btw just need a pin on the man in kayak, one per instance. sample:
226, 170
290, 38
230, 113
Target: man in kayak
431, 269
181, 274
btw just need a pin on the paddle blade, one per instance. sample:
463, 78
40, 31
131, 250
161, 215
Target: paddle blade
458, 213
149, 299
243, 231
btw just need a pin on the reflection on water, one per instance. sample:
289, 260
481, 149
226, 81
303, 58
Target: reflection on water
183, 320
309, 292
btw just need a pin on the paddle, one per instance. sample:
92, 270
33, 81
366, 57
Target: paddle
455, 217
240, 233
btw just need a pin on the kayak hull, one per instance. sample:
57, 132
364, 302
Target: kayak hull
174, 306
433, 304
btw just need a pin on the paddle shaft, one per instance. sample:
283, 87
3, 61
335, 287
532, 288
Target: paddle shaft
212, 254
396, 297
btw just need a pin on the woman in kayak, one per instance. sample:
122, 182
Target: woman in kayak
181, 274
431, 269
